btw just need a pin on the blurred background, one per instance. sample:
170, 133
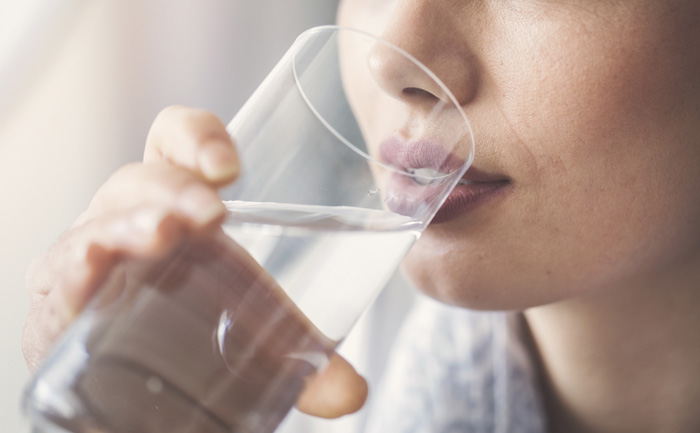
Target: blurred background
80, 83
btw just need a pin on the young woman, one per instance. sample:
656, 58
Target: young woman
586, 213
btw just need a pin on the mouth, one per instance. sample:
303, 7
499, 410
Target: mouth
429, 173
426, 176
472, 191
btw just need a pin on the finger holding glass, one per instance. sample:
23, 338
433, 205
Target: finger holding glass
221, 334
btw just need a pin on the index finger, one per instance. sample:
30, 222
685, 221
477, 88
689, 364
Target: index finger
193, 139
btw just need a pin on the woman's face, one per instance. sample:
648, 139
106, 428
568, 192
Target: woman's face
589, 110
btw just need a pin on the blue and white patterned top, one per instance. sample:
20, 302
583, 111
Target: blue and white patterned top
458, 371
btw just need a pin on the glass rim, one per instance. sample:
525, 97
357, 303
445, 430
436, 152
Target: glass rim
332, 28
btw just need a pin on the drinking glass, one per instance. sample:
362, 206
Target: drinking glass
348, 150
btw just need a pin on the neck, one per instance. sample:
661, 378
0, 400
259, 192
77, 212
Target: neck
623, 360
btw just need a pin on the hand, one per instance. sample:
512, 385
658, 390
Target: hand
143, 211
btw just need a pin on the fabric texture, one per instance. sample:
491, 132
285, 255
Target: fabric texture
454, 370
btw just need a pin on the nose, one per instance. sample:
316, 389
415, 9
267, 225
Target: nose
429, 35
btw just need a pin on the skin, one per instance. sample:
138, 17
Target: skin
531, 77
589, 109
143, 211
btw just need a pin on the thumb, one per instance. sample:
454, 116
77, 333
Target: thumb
334, 391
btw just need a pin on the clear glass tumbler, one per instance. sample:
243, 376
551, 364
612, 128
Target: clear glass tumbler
348, 149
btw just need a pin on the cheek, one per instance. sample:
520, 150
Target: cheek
612, 133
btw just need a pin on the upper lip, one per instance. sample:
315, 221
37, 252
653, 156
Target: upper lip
409, 156
419, 154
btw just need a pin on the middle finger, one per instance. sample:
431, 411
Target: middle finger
161, 184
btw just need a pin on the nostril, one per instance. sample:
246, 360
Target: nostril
401, 77
418, 93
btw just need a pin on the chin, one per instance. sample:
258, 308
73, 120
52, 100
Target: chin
472, 298
472, 283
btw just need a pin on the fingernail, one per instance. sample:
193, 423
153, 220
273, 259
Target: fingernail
201, 204
218, 161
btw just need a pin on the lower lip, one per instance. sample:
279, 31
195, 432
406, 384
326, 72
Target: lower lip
466, 198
